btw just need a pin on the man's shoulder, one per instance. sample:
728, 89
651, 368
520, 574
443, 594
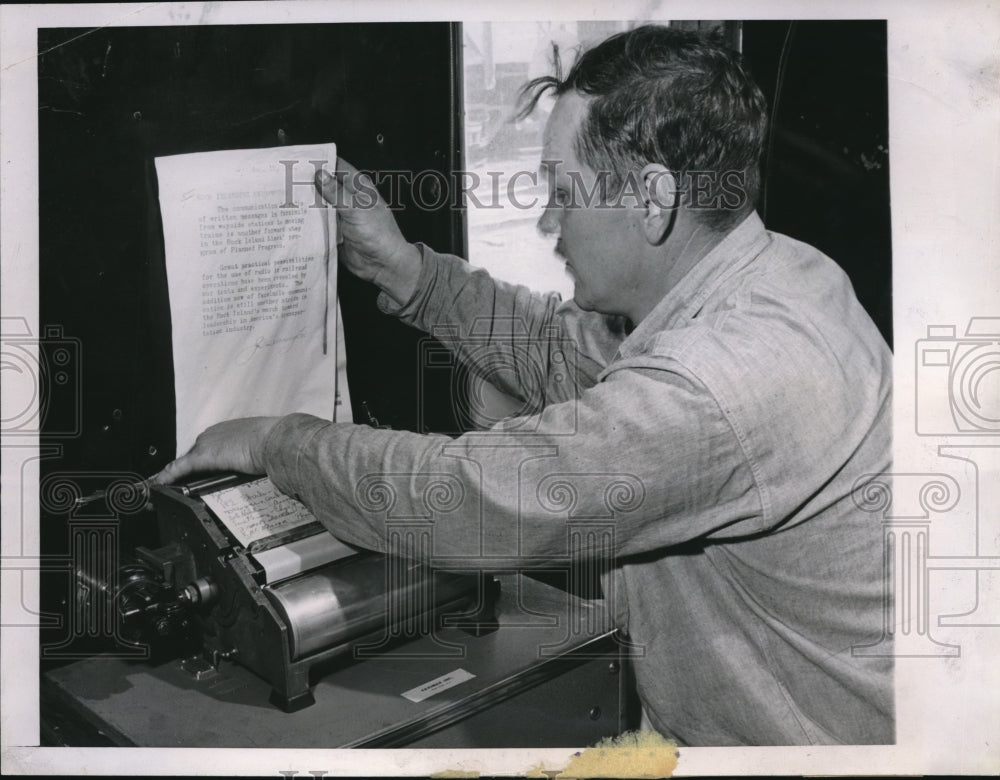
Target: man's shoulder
791, 304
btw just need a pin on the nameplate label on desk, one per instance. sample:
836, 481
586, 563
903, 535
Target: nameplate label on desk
438, 684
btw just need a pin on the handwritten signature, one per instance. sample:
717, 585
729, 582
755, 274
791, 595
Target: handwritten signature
248, 354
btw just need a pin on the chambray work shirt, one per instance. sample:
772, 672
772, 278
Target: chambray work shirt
719, 444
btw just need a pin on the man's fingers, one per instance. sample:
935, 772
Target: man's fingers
181, 467
173, 471
348, 188
330, 184
328, 187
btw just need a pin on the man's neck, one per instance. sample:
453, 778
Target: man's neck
688, 243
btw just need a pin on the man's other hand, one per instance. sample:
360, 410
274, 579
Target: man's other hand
373, 248
234, 445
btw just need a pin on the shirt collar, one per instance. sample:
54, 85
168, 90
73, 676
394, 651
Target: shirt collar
740, 246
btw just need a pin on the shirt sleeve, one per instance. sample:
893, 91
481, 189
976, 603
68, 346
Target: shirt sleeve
642, 461
534, 347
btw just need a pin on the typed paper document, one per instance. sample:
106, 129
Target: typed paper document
252, 278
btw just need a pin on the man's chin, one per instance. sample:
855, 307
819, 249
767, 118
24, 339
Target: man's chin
579, 294
582, 301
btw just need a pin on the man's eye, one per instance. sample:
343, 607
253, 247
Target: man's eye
560, 197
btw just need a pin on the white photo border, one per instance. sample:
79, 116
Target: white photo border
944, 128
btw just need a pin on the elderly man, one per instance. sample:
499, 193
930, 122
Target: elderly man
726, 373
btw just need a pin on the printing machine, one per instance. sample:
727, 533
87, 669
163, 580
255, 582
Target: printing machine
279, 606
329, 645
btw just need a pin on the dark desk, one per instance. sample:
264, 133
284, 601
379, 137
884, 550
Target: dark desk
552, 675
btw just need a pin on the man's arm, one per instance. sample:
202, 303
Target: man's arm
647, 455
529, 345
651, 480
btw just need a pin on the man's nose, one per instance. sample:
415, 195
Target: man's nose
548, 223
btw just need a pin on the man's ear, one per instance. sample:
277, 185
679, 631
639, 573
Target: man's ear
660, 200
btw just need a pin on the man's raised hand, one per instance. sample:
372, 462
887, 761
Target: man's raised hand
373, 247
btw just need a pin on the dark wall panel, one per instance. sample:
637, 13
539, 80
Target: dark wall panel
826, 170
111, 100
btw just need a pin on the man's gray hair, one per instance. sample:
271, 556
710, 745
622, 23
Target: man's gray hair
673, 97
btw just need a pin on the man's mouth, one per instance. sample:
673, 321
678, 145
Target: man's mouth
567, 266
559, 251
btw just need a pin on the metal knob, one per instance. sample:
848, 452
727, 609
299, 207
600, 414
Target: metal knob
203, 591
